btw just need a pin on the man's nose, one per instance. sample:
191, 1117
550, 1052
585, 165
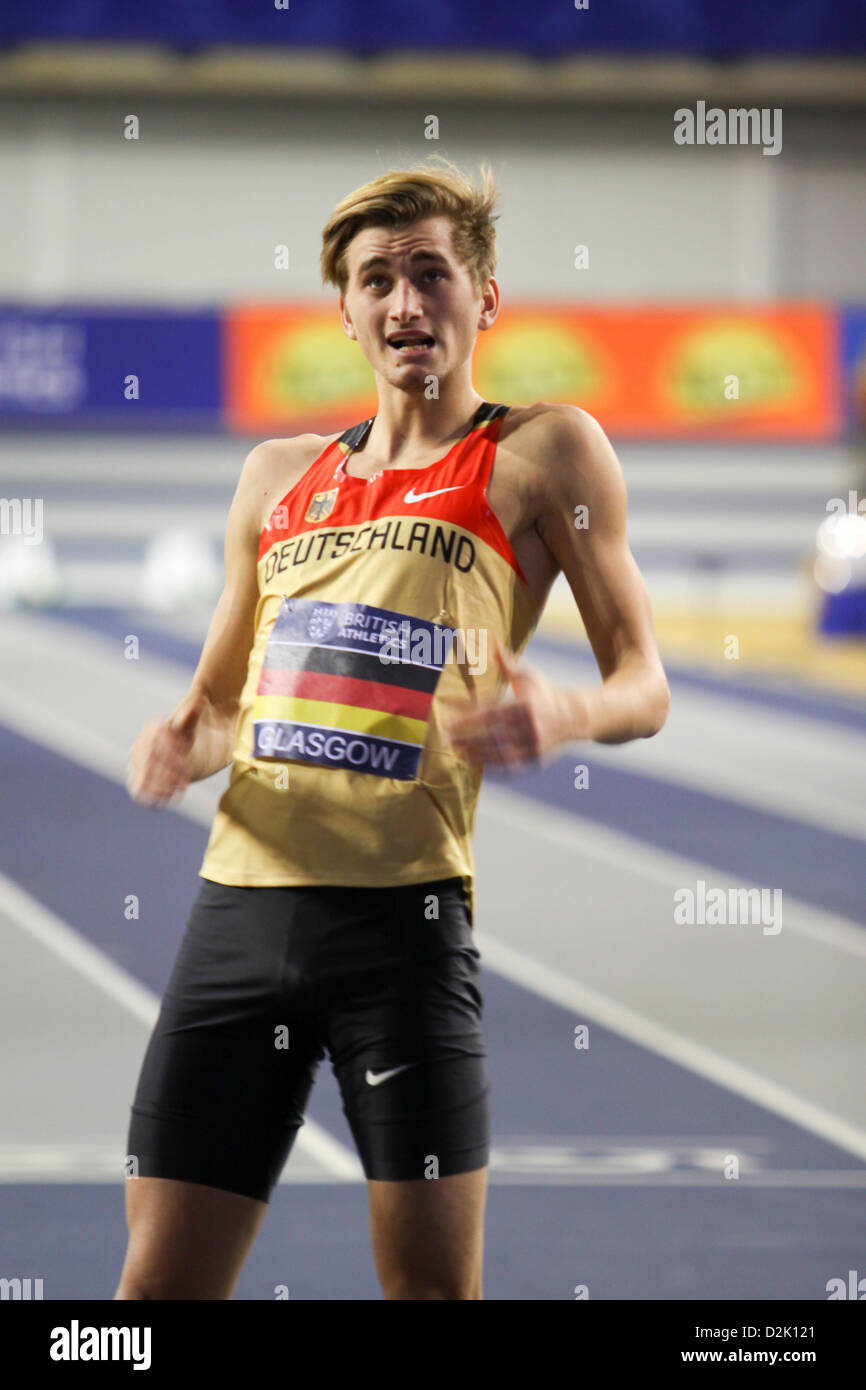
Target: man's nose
406, 299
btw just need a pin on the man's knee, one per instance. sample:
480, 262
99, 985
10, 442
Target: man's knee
151, 1288
405, 1289
181, 1279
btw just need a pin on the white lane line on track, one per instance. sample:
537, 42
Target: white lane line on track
47, 1164
627, 852
99, 1162
809, 1177
584, 1002
746, 761
53, 933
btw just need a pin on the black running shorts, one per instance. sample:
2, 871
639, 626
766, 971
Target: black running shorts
265, 982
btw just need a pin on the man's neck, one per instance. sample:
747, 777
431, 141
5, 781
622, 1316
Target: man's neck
409, 428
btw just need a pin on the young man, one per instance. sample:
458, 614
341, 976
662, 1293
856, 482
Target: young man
336, 912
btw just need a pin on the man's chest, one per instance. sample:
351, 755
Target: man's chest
514, 488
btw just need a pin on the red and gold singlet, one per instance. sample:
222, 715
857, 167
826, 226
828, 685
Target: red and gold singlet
378, 602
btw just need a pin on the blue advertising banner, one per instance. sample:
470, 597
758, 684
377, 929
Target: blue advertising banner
124, 369
546, 27
852, 323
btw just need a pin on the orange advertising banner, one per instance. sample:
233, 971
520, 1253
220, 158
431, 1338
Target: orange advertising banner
292, 368
705, 371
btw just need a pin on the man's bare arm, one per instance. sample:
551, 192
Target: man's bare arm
222, 667
197, 739
594, 555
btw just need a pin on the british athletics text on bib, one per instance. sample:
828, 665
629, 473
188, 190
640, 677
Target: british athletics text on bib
348, 685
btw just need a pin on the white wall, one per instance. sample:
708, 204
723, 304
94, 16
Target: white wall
191, 212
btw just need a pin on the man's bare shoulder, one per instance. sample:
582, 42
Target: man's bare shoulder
546, 426
550, 444
273, 467
294, 453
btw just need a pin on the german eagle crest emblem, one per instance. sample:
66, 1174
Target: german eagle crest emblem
322, 505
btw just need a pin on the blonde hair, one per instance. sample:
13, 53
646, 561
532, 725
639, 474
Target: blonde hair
403, 196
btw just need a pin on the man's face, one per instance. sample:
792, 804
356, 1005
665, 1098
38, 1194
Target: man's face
407, 285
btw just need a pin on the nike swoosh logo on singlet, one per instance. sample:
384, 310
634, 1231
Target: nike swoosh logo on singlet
412, 496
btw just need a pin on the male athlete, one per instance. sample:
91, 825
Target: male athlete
336, 912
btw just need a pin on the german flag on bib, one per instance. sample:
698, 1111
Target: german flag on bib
348, 685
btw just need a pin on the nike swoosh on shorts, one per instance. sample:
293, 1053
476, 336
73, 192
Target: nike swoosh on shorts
376, 1078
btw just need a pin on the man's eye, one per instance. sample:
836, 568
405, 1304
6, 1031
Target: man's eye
372, 279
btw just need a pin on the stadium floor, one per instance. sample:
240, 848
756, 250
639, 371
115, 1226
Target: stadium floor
612, 1163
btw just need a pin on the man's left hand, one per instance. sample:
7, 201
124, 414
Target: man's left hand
537, 720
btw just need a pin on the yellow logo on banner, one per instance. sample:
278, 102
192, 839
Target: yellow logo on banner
706, 358
528, 362
316, 366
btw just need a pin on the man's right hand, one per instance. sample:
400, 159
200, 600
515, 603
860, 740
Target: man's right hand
158, 768
198, 739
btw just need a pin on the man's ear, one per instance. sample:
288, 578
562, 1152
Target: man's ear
348, 326
489, 305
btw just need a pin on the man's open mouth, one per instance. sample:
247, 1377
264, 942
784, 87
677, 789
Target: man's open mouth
411, 342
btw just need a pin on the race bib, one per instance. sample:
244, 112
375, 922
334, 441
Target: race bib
348, 685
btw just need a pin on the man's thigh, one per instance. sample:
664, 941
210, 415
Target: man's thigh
428, 1236
230, 1064
404, 1033
409, 1054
